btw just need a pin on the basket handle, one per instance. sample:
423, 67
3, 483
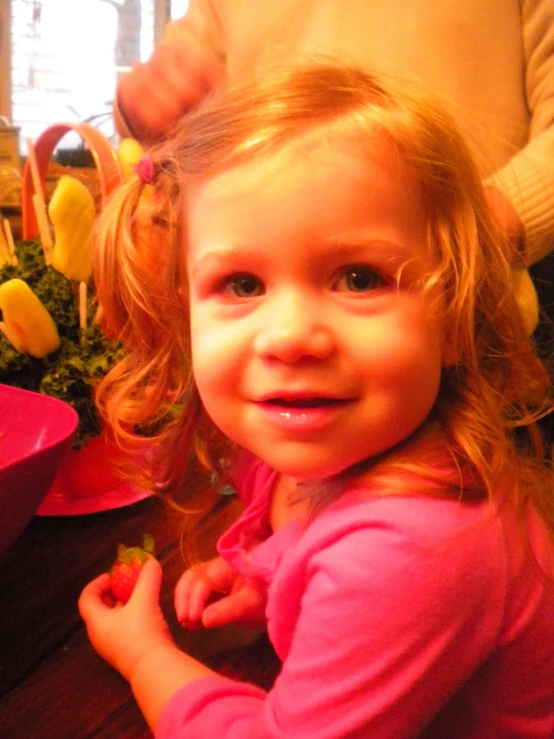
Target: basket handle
105, 159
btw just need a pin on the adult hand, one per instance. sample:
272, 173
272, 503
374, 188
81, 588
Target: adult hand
124, 634
155, 94
236, 600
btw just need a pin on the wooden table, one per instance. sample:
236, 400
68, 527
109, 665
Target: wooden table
52, 683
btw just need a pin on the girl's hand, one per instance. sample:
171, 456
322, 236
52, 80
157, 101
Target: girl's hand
123, 635
213, 594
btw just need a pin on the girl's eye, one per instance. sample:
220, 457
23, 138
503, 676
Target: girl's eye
359, 279
244, 286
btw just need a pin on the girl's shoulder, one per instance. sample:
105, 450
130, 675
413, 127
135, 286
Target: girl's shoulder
469, 545
423, 519
484, 535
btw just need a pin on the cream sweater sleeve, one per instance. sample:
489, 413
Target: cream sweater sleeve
528, 178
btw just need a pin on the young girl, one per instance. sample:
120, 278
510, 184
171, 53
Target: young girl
307, 270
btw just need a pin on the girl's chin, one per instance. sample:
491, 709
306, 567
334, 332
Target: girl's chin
303, 473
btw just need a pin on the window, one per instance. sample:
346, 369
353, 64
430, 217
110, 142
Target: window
66, 56
5, 65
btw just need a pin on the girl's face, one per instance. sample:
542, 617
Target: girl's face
312, 346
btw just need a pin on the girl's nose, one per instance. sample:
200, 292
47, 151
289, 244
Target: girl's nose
294, 330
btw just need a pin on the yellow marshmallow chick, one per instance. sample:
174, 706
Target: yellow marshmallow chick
27, 324
72, 213
527, 299
129, 152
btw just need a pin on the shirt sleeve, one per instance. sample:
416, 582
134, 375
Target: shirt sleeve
388, 630
528, 178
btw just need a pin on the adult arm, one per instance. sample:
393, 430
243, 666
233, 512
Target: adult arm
527, 180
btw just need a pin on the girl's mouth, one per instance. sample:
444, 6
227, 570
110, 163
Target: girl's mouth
302, 402
302, 414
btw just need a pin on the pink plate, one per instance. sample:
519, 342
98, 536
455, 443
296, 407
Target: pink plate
91, 480
61, 505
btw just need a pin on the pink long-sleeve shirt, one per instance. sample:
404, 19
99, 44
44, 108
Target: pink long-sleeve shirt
395, 618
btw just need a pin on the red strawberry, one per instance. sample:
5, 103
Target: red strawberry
126, 569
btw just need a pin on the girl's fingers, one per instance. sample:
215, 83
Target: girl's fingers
220, 574
182, 595
200, 591
195, 592
95, 594
245, 606
98, 586
196, 586
230, 609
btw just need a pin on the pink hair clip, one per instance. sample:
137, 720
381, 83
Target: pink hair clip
146, 170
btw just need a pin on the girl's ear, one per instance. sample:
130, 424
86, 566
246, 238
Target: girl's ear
183, 293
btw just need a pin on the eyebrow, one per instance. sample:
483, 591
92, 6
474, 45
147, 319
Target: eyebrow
216, 256
367, 245
389, 256
384, 254
387, 252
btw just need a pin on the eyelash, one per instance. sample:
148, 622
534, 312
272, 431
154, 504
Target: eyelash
230, 283
376, 278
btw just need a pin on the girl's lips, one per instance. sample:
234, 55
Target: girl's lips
307, 414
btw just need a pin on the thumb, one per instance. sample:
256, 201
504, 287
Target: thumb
149, 583
235, 607
224, 611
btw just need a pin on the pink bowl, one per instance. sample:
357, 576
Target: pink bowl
35, 433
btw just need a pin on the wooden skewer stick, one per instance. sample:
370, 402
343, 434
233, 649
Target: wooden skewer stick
99, 315
11, 244
37, 184
4, 249
43, 227
39, 205
83, 306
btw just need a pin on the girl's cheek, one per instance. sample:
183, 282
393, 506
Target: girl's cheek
214, 354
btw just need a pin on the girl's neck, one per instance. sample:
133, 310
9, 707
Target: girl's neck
284, 504
396, 471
